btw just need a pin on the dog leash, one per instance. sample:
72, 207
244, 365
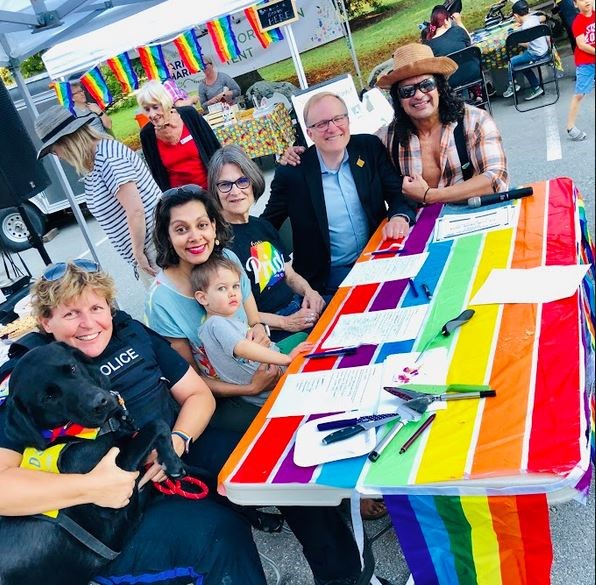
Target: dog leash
175, 487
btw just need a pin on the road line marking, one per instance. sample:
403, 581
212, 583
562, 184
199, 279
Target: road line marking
97, 244
553, 138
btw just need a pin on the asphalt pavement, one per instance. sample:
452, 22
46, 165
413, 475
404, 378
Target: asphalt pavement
537, 149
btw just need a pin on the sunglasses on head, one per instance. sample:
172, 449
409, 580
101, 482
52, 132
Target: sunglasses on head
57, 271
189, 189
240, 182
425, 86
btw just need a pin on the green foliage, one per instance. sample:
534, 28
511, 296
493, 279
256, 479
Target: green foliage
32, 66
6, 76
360, 7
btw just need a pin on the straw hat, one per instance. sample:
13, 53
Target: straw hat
55, 123
413, 60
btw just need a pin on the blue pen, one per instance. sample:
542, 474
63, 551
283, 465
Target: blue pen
386, 251
413, 287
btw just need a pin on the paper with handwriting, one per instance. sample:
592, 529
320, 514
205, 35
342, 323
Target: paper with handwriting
329, 391
385, 269
377, 327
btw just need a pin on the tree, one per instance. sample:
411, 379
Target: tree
360, 7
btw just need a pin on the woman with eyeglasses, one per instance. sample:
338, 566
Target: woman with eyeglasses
119, 190
217, 86
100, 121
189, 229
286, 302
177, 142
74, 304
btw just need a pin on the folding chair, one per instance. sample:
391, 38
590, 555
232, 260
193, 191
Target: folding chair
547, 60
472, 55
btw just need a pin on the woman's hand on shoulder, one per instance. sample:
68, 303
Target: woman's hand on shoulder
144, 264
291, 156
111, 486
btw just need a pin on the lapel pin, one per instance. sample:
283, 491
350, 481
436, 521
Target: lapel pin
360, 162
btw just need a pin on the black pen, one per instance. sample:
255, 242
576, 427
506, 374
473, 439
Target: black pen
348, 350
427, 291
413, 287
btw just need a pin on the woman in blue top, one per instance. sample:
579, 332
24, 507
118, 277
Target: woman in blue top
188, 229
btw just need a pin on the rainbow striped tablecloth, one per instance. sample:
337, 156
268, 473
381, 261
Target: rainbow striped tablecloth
468, 501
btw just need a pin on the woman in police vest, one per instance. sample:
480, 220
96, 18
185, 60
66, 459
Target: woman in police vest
74, 304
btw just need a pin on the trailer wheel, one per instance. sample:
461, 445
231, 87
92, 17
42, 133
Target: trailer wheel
13, 231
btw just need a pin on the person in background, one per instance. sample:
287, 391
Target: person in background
177, 142
347, 186
119, 190
216, 86
286, 302
583, 31
567, 11
74, 303
100, 121
533, 50
179, 96
444, 37
455, 8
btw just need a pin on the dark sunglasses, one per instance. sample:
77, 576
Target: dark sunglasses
226, 186
425, 86
189, 189
57, 271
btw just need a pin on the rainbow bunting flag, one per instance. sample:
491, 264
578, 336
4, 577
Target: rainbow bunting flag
223, 38
267, 37
121, 66
95, 84
190, 51
63, 93
474, 540
153, 62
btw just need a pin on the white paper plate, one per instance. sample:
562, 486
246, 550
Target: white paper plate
23, 307
309, 449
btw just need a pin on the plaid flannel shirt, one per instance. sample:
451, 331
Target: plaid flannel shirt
485, 150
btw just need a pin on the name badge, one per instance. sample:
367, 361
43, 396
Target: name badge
186, 139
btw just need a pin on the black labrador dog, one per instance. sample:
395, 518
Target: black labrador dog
52, 387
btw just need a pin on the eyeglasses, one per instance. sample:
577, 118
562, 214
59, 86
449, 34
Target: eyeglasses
338, 121
57, 271
425, 86
226, 186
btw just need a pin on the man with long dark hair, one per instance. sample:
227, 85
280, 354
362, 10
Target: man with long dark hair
446, 150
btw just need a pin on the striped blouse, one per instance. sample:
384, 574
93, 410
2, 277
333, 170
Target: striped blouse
116, 165
485, 149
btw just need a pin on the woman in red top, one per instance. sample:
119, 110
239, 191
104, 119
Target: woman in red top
177, 142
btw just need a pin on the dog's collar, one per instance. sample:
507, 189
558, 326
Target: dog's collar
72, 430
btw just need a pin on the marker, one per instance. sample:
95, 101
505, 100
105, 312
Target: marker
348, 350
386, 251
413, 287
427, 292
378, 450
417, 433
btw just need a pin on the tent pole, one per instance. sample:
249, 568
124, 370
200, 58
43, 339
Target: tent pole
33, 113
346, 26
289, 34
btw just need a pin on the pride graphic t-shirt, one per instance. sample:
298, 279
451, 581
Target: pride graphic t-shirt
261, 252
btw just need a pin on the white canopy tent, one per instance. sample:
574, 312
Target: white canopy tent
81, 33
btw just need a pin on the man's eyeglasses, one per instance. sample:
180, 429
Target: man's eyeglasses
226, 186
425, 86
338, 121
57, 271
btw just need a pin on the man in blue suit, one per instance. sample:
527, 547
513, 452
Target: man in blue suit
342, 190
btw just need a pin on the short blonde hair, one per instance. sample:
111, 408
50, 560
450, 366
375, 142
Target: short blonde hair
153, 92
47, 295
315, 99
78, 148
